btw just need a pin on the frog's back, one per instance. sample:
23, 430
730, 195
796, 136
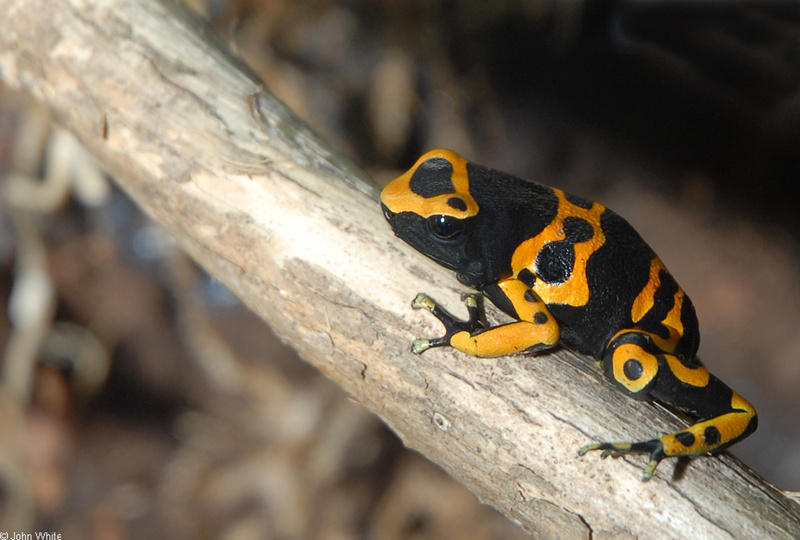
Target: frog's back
588, 264
628, 287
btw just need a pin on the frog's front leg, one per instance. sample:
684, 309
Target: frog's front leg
452, 324
638, 367
535, 329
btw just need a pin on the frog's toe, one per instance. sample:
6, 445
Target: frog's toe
423, 301
653, 447
419, 346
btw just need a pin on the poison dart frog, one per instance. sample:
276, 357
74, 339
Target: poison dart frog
571, 273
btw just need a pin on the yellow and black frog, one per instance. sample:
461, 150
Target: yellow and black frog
572, 273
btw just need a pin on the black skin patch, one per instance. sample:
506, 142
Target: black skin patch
530, 297
457, 203
577, 230
527, 277
664, 300
555, 261
685, 438
632, 369
432, 178
540, 318
580, 202
712, 435
500, 299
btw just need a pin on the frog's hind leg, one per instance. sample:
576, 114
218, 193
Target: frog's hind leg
638, 367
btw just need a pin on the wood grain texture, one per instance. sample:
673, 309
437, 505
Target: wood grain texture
295, 231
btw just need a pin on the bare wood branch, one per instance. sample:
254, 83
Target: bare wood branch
296, 233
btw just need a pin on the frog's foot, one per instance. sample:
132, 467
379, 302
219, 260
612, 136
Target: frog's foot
451, 324
653, 447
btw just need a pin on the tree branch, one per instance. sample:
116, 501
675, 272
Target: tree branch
295, 231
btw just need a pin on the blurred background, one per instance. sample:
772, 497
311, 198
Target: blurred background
140, 399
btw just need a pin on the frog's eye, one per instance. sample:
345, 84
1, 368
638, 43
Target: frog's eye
445, 227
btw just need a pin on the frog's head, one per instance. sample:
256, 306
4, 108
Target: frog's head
430, 207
